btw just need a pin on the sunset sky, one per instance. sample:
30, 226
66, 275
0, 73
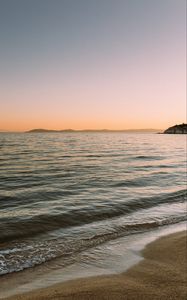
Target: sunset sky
94, 64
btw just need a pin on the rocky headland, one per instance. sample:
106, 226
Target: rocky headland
177, 129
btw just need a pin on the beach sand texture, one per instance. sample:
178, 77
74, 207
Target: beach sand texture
161, 275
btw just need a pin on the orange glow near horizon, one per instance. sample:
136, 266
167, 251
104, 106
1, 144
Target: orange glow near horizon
93, 104
25, 125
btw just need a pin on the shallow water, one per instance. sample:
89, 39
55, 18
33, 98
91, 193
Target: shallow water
62, 194
112, 257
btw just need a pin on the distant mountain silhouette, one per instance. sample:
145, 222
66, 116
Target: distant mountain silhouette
177, 129
40, 130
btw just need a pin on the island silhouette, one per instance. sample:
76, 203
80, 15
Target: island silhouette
177, 129
41, 130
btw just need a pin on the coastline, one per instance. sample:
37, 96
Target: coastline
160, 275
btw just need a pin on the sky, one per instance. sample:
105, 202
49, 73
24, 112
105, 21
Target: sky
92, 64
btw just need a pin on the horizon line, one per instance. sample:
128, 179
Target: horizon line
78, 130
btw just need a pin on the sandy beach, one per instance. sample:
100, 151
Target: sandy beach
161, 275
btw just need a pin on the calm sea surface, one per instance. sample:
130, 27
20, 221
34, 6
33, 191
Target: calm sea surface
64, 193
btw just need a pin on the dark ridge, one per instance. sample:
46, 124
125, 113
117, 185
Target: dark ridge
40, 130
177, 129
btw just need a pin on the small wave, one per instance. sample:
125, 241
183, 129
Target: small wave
15, 227
28, 198
150, 179
148, 157
29, 255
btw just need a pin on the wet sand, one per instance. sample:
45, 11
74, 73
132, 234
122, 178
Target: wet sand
161, 275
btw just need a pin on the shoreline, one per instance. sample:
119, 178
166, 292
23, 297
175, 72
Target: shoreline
160, 275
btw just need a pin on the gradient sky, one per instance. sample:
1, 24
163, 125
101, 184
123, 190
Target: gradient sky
95, 64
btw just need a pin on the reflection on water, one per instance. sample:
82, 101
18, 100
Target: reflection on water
63, 194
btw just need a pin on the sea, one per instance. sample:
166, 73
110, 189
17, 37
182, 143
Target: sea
78, 199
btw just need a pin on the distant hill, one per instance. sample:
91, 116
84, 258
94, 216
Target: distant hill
177, 129
38, 130
48, 130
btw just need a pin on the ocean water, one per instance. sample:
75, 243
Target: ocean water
62, 194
